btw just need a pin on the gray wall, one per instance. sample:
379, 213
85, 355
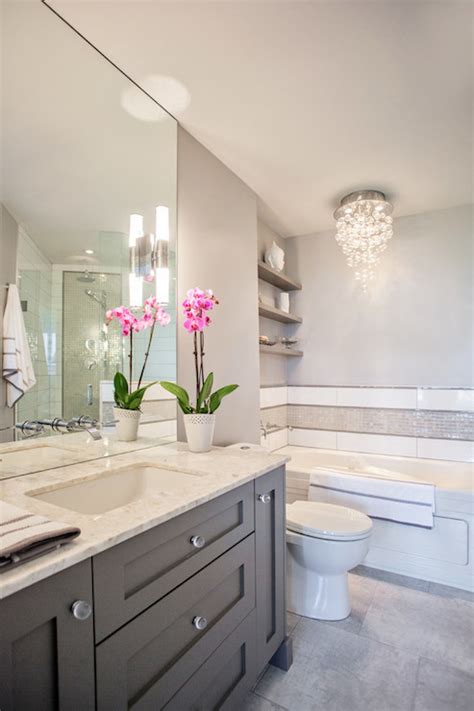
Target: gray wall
217, 248
8, 252
413, 328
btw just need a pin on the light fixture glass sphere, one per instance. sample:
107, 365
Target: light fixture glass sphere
364, 226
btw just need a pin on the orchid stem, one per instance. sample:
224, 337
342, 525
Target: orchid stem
196, 363
130, 356
147, 353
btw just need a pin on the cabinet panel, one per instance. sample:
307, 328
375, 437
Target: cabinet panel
133, 575
142, 665
270, 533
225, 678
47, 655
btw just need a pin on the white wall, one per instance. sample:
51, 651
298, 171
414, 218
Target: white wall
413, 328
217, 248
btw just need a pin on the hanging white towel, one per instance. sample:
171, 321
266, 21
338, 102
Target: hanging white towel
17, 366
377, 493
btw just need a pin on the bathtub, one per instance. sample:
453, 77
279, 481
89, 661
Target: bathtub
443, 554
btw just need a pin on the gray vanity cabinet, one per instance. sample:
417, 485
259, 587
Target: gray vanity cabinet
270, 563
47, 654
186, 615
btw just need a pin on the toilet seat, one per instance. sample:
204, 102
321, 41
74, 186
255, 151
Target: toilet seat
327, 521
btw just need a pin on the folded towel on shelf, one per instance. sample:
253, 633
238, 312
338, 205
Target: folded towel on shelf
377, 493
17, 366
24, 535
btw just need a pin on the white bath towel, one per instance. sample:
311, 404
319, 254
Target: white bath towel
17, 366
24, 535
377, 493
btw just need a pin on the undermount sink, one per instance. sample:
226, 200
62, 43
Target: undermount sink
37, 455
116, 488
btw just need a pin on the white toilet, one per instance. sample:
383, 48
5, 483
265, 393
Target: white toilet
324, 542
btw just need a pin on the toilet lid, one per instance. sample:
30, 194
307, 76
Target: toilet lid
320, 520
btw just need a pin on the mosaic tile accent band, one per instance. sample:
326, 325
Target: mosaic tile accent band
371, 420
435, 424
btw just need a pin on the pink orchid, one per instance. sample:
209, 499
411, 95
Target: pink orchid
195, 305
152, 313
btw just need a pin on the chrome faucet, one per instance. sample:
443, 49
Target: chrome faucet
30, 428
86, 423
266, 428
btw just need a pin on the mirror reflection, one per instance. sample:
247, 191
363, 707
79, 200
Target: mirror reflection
88, 216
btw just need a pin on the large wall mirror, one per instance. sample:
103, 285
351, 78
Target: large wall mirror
88, 194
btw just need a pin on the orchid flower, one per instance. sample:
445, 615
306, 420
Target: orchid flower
152, 313
195, 307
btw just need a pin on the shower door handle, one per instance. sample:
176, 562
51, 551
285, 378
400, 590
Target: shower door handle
90, 395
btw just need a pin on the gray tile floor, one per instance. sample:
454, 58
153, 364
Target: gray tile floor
408, 645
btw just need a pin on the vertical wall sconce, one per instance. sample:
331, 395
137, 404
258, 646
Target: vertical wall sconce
161, 255
135, 282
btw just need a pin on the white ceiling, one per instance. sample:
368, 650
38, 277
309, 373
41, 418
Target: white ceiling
307, 101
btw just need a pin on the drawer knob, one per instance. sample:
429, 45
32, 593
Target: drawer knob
265, 498
198, 541
199, 622
81, 609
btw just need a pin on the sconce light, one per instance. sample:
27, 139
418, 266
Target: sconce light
161, 255
149, 257
135, 281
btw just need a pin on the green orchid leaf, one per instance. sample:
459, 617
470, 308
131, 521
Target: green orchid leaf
216, 397
205, 392
180, 394
120, 387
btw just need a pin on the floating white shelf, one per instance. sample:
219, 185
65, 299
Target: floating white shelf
280, 351
277, 315
277, 279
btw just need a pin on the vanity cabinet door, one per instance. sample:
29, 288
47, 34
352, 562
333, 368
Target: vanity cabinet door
270, 539
46, 653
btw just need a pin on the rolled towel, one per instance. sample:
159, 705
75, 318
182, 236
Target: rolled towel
24, 535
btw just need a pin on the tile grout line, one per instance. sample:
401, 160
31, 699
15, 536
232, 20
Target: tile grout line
415, 688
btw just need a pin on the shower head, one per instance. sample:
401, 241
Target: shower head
98, 299
86, 277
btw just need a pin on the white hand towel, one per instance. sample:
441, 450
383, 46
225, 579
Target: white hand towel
17, 366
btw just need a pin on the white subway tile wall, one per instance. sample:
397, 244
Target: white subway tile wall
275, 440
273, 396
424, 422
377, 444
312, 438
34, 281
445, 449
439, 399
312, 396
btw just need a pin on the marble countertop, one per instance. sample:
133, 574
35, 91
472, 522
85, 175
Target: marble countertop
44, 453
216, 472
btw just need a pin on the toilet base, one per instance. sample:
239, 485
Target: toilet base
322, 597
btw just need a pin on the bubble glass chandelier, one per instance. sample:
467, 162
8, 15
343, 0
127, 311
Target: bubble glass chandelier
364, 226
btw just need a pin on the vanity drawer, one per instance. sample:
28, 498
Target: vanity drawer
145, 663
130, 577
224, 680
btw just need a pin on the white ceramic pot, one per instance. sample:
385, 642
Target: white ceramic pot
199, 431
127, 424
